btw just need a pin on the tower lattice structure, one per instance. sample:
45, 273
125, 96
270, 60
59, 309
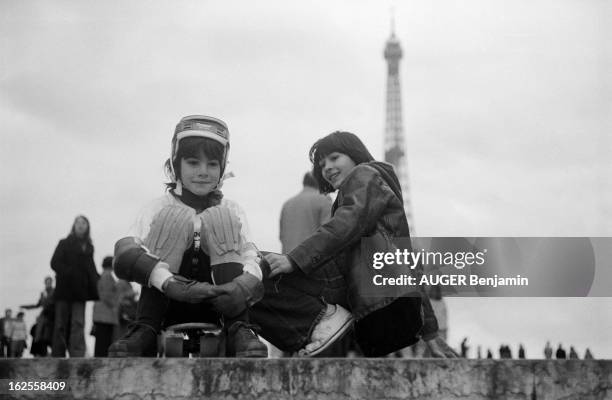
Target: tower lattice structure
395, 146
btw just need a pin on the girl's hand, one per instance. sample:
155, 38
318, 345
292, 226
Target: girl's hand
279, 264
438, 348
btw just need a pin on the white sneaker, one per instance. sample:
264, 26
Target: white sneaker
334, 324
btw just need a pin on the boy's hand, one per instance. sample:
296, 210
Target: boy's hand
237, 295
279, 264
221, 230
186, 290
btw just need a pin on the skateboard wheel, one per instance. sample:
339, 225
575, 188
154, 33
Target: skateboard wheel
209, 345
174, 347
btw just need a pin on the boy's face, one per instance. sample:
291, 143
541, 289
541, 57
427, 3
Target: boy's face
200, 175
335, 167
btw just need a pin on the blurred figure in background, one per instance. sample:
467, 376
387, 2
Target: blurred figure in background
106, 310
548, 351
4, 339
464, 348
573, 355
76, 282
521, 352
42, 331
588, 355
561, 354
302, 214
17, 334
505, 352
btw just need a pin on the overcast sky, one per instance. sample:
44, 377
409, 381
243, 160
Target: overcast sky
507, 115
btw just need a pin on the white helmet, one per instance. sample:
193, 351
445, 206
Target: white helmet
200, 126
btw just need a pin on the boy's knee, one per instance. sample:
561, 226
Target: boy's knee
221, 229
171, 233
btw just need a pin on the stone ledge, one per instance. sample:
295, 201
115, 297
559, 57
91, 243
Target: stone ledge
224, 378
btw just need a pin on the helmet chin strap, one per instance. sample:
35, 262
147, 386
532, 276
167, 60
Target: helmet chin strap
223, 179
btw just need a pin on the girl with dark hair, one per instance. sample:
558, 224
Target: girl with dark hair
369, 204
76, 280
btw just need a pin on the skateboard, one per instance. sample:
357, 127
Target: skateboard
196, 339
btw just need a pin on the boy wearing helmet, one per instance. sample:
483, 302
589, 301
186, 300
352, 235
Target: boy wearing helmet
191, 249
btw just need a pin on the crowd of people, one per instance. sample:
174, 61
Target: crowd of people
505, 352
59, 329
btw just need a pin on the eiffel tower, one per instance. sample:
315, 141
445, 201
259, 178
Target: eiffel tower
394, 131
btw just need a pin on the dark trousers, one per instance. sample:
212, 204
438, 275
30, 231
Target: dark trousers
4, 347
157, 311
104, 338
291, 307
69, 329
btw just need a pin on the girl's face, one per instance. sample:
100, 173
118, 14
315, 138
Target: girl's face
200, 175
80, 227
335, 167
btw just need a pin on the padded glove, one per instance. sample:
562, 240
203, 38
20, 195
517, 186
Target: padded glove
186, 290
238, 295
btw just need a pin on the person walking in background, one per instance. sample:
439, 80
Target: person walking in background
548, 351
489, 354
106, 310
521, 352
4, 339
505, 352
572, 354
17, 334
560, 353
42, 331
302, 214
464, 348
76, 282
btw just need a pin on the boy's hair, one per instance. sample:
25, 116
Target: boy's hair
341, 142
193, 146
